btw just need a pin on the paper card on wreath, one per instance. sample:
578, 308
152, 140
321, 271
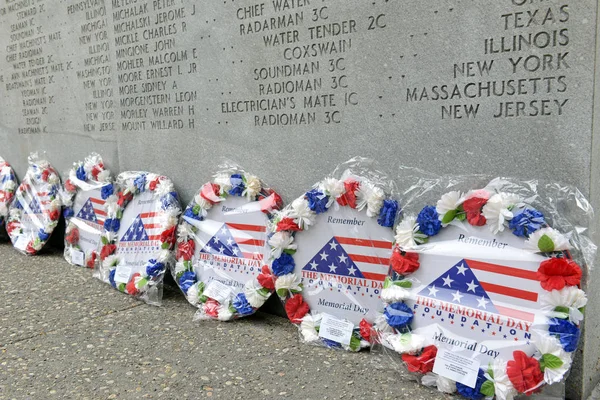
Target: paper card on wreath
343, 260
88, 217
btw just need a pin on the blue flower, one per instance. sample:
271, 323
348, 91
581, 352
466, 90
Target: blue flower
387, 216
187, 280
472, 393
43, 235
68, 212
283, 265
81, 175
567, 332
111, 277
112, 224
317, 201
237, 185
526, 222
107, 191
52, 191
140, 182
331, 344
429, 221
168, 200
398, 315
241, 304
154, 268
189, 212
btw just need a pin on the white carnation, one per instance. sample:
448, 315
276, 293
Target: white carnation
253, 187
279, 242
302, 213
496, 210
53, 179
332, 187
253, 295
164, 256
561, 242
571, 297
192, 294
224, 313
406, 342
370, 196
503, 387
104, 176
169, 218
394, 294
449, 202
185, 230
54, 205
110, 261
443, 384
111, 206
15, 213
224, 182
549, 345
308, 327
179, 268
407, 234
163, 187
9, 185
288, 282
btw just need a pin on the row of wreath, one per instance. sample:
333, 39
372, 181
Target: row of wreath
559, 275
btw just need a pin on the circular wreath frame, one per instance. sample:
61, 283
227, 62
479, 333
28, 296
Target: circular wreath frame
256, 291
356, 192
132, 184
8, 184
559, 275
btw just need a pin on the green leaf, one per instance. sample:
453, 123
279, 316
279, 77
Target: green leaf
119, 213
354, 343
196, 209
545, 244
232, 309
201, 287
202, 299
104, 240
582, 310
282, 292
490, 371
424, 239
165, 245
264, 292
141, 283
461, 216
121, 287
551, 361
188, 265
448, 217
404, 284
291, 252
564, 312
487, 389
387, 282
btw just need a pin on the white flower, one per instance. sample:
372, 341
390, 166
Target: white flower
163, 187
185, 230
104, 175
394, 294
279, 242
443, 384
164, 256
204, 204
179, 267
302, 213
288, 282
54, 205
503, 387
110, 261
449, 202
53, 179
370, 196
332, 187
3, 209
547, 344
111, 206
192, 294
15, 214
224, 313
308, 327
130, 186
253, 294
407, 234
560, 241
406, 342
496, 210
9, 185
571, 297
169, 218
253, 187
137, 281
224, 182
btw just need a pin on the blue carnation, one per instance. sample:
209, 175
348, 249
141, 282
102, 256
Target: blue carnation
169, 200
154, 268
140, 182
241, 304
187, 280
429, 221
472, 393
283, 265
112, 224
81, 175
68, 212
107, 191
111, 277
388, 212
189, 212
331, 344
317, 201
52, 191
398, 315
43, 235
237, 185
567, 332
526, 222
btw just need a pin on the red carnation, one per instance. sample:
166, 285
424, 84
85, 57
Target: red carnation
45, 174
96, 169
349, 198
266, 279
3, 196
473, 205
185, 250
29, 249
556, 273
210, 192
365, 329
73, 236
130, 288
287, 224
422, 363
11, 226
107, 250
69, 186
524, 373
211, 308
404, 263
168, 236
91, 262
54, 215
296, 308
153, 184
272, 201
124, 199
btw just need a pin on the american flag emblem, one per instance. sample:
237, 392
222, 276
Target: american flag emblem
237, 240
92, 211
34, 206
355, 258
460, 286
145, 227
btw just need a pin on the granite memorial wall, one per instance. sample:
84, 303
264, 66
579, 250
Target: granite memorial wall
290, 88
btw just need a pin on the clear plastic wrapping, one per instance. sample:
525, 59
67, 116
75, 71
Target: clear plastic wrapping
222, 245
330, 255
142, 210
484, 296
8, 184
35, 210
88, 185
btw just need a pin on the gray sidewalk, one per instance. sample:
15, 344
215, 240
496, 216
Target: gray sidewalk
64, 334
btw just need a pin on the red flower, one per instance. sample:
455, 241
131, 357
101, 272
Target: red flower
29, 249
96, 169
168, 236
185, 250
124, 199
272, 201
45, 174
73, 236
556, 273
349, 198
365, 329
296, 308
210, 192
11, 226
404, 263
91, 262
107, 250
287, 224
422, 363
211, 308
153, 184
266, 279
69, 186
54, 215
524, 373
130, 288
473, 205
